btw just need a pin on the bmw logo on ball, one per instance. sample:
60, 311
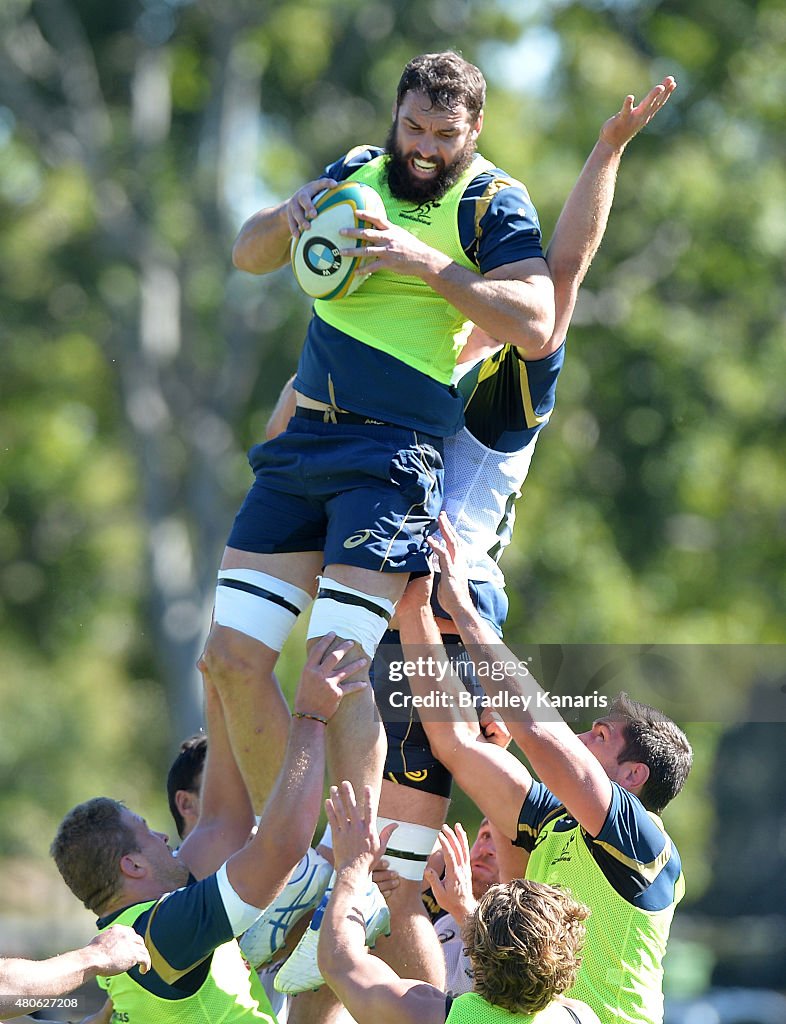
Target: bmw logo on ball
322, 256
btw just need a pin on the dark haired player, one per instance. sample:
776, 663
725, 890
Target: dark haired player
354, 484
591, 824
509, 398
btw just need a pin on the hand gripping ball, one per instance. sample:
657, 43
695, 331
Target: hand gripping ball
320, 269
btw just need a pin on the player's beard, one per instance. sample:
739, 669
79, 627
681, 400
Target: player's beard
404, 186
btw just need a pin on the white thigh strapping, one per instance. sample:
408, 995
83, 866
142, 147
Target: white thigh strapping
409, 848
258, 605
350, 614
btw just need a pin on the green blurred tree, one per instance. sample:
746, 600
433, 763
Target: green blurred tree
661, 479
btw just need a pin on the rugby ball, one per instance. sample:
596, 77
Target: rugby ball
320, 269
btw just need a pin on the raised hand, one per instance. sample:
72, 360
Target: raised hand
322, 687
454, 891
356, 843
453, 591
620, 129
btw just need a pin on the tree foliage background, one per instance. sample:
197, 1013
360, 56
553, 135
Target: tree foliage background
138, 366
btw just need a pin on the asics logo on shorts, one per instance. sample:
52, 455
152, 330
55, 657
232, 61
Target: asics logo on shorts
356, 539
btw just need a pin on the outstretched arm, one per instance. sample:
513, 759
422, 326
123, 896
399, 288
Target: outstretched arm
114, 951
226, 816
366, 985
557, 755
260, 870
490, 775
584, 216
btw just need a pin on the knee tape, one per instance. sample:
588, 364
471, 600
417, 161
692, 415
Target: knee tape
258, 605
350, 614
409, 848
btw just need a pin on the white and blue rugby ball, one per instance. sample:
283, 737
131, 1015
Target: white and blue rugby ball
320, 269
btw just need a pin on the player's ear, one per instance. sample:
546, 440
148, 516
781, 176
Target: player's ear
131, 866
477, 127
187, 802
636, 775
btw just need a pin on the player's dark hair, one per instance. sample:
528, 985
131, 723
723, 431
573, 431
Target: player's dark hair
652, 738
89, 845
447, 79
186, 773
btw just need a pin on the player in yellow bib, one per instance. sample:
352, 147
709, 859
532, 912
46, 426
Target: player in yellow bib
591, 824
189, 906
523, 940
348, 492
508, 399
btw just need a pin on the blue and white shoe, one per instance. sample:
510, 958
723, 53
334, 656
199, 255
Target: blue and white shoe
300, 972
303, 891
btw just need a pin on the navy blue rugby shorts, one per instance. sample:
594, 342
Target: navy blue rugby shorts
365, 494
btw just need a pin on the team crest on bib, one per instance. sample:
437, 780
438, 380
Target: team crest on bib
420, 213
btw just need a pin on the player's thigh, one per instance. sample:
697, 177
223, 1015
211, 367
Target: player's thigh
411, 768
272, 525
413, 804
380, 522
388, 585
300, 568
